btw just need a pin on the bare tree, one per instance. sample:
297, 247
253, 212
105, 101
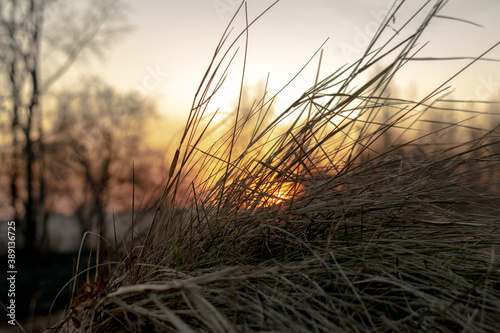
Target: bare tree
39, 42
97, 136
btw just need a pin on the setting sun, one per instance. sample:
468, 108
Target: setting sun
273, 193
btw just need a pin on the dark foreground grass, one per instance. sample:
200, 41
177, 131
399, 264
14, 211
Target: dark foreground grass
344, 220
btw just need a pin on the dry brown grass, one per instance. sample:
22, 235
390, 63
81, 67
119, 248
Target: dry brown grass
312, 228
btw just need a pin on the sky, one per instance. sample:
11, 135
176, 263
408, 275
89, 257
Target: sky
172, 42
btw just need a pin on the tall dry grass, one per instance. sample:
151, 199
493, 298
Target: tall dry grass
340, 220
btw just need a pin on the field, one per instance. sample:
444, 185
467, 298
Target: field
349, 211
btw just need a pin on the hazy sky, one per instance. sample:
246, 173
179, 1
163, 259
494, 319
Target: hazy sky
172, 43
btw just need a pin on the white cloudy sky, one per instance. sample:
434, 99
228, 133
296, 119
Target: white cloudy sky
176, 40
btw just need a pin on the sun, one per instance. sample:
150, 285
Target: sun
272, 194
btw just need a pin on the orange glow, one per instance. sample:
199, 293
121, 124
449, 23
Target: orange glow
273, 193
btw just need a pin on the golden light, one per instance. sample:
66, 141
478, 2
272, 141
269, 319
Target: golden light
273, 193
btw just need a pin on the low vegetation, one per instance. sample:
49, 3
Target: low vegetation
336, 216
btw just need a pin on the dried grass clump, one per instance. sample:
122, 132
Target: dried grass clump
316, 227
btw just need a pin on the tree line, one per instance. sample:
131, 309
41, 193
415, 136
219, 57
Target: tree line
73, 146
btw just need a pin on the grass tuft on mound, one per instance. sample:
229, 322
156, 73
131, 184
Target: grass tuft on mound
350, 217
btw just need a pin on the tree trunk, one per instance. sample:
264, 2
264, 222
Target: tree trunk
15, 144
35, 15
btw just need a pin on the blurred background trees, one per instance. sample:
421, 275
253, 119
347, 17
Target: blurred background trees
96, 137
39, 43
